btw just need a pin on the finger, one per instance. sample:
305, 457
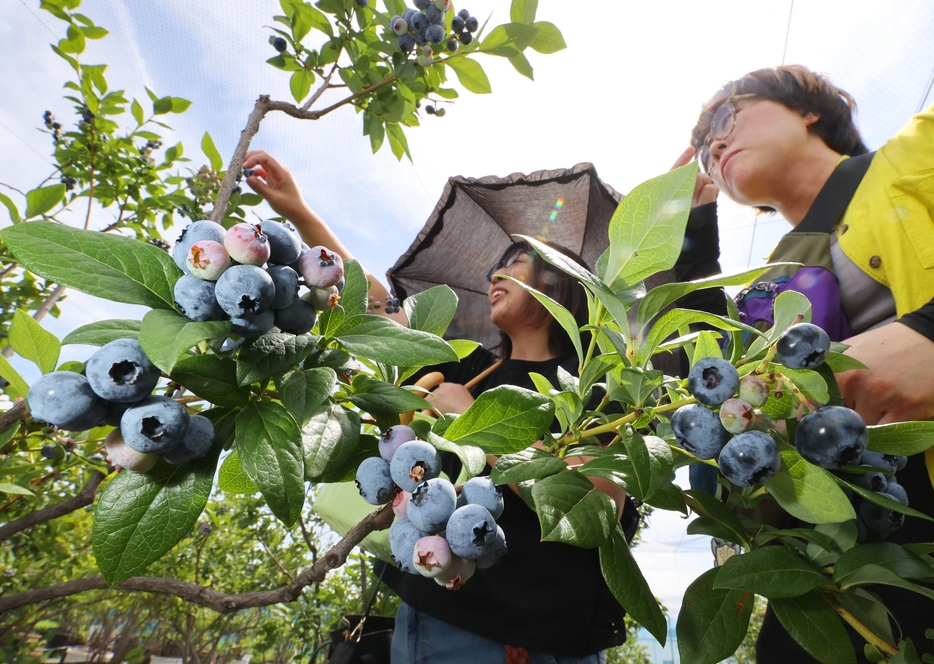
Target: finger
254, 157
257, 185
685, 158
708, 194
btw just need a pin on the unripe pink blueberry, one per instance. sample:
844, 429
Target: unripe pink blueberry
754, 390
322, 298
207, 260
121, 455
393, 438
399, 25
736, 415
457, 574
432, 556
425, 59
321, 267
400, 502
247, 245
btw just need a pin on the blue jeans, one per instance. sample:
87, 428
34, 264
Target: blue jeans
420, 639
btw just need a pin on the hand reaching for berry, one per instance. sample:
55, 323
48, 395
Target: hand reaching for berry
275, 183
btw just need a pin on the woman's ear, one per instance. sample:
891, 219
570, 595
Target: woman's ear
810, 118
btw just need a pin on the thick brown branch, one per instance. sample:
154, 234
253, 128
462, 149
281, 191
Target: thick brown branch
67, 506
220, 602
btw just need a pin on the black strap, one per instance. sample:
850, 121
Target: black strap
835, 195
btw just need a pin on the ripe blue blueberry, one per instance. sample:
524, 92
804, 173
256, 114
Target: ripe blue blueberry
896, 490
413, 463
880, 519
713, 380
195, 297
463, 14
373, 481
420, 37
297, 318
471, 531
803, 346
363, 3
452, 45
115, 411
279, 44
421, 4
457, 23
430, 110
285, 246
120, 371
750, 458
435, 33
873, 480
471, 23
465, 38
403, 535
48, 451
482, 491
405, 43
244, 290
496, 552
251, 327
195, 444
832, 437
155, 425
393, 438
285, 279
296, 264
887, 463
195, 232
435, 16
418, 22
699, 431
432, 504
65, 400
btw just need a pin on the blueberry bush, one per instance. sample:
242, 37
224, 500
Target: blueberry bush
293, 408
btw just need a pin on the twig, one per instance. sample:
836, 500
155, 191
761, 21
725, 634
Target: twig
76, 502
276, 561
307, 538
220, 602
4, 184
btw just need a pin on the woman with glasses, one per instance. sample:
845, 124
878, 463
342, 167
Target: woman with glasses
785, 140
544, 601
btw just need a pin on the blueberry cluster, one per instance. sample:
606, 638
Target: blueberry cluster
392, 305
249, 274
51, 124
874, 521
279, 43
202, 184
424, 28
438, 533
116, 390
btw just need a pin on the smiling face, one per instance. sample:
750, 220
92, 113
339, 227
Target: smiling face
510, 305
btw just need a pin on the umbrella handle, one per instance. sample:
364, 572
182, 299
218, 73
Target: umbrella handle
427, 382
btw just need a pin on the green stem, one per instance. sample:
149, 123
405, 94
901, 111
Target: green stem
626, 419
871, 637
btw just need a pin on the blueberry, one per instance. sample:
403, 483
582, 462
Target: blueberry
195, 297
195, 444
496, 552
420, 38
405, 43
453, 45
407, 14
373, 481
413, 463
195, 232
322, 299
463, 14
120, 371
403, 536
400, 503
121, 455
435, 34
421, 4
296, 264
900, 462
285, 280
457, 23
297, 318
803, 346
440, 112
457, 574
432, 504
321, 267
471, 531
896, 490
392, 438
399, 25
207, 260
154, 425
418, 22
65, 400
251, 327
363, 3
754, 390
713, 380
435, 16
750, 458
285, 246
279, 44
831, 437
244, 290
699, 431
880, 519
247, 244
115, 411
886, 463
736, 415
432, 556
482, 491
471, 23
465, 38
873, 480
429, 109
48, 451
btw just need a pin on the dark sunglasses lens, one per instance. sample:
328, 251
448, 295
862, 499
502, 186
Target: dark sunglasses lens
509, 259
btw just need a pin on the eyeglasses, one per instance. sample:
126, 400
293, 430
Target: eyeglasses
511, 258
721, 126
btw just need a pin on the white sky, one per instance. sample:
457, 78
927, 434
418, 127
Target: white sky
623, 96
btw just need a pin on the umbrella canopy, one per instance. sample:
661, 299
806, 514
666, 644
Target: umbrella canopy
472, 224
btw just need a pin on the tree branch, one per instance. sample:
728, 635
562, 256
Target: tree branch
220, 602
15, 414
67, 506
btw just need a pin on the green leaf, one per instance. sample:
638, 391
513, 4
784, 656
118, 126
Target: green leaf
672, 321
528, 464
268, 440
94, 32
891, 556
651, 461
356, 289
379, 398
629, 587
811, 383
162, 106
881, 499
330, 438
905, 438
705, 504
808, 492
11, 208
210, 151
788, 306
383, 340
271, 354
166, 335
634, 385
397, 140
564, 317
33, 342
470, 74
838, 363
103, 332
304, 392
842, 537
39, 201
647, 229
300, 84
233, 479
12, 376
431, 310
706, 346
815, 627
872, 574
180, 105
141, 516
572, 511
523, 11
212, 378
712, 622
115, 268
15, 489
549, 38
522, 65
137, 110
770, 571
472, 458
503, 420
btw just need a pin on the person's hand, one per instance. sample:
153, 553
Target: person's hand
705, 191
450, 398
275, 183
899, 385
